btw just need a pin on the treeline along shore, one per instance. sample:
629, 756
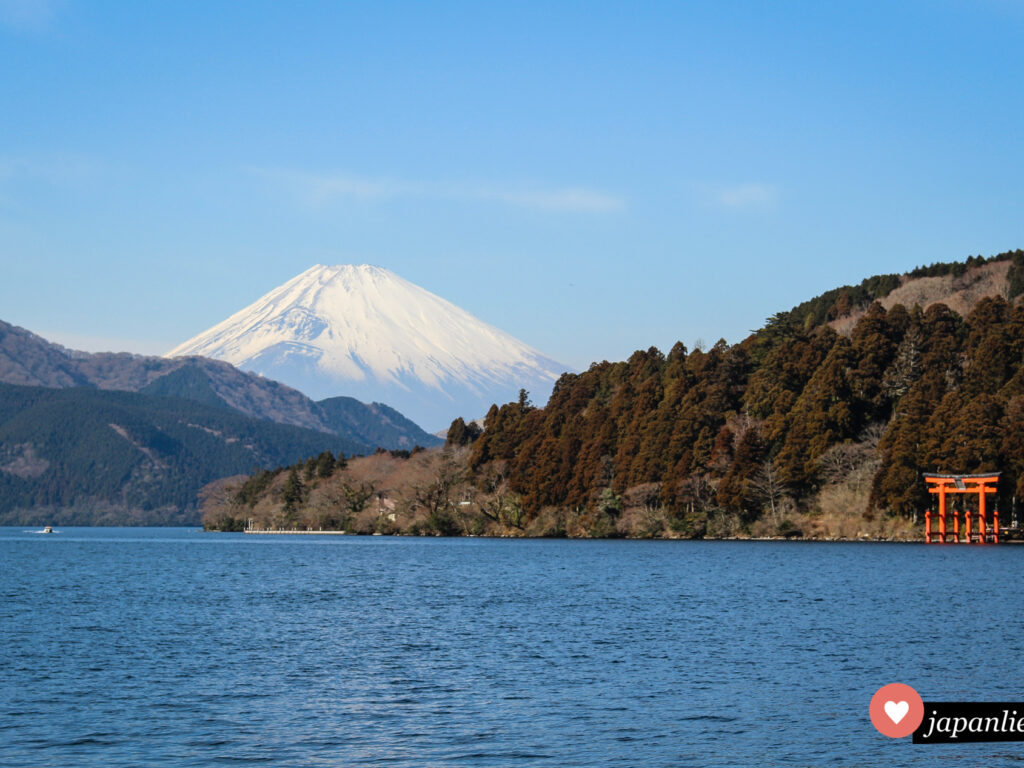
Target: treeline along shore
818, 425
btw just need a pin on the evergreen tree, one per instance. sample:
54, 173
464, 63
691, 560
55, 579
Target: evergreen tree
457, 432
309, 469
325, 464
293, 490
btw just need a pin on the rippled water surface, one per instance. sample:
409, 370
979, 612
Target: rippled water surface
171, 647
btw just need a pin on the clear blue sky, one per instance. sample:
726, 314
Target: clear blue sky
593, 178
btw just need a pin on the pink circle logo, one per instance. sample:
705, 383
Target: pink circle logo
896, 710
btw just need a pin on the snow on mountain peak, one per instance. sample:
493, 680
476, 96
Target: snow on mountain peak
363, 331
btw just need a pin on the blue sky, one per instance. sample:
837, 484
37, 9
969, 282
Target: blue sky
593, 178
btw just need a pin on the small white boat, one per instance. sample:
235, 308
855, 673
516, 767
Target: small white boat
48, 529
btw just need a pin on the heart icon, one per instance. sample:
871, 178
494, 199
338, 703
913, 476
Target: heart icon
896, 710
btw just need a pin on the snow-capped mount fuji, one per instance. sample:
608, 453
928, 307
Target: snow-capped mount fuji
365, 332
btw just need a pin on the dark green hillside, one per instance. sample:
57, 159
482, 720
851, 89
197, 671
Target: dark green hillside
75, 451
188, 383
375, 424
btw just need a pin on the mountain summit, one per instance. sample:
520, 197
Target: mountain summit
363, 331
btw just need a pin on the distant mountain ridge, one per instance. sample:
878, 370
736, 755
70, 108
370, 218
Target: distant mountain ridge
116, 438
365, 331
28, 359
84, 456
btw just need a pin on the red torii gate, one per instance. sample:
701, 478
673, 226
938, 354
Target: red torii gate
979, 484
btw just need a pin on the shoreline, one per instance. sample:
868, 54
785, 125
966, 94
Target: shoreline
839, 540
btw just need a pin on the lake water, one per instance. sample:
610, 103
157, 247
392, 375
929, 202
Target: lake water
172, 647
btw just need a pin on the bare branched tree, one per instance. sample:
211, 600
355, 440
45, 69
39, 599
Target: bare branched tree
906, 368
437, 497
499, 504
853, 463
355, 497
768, 488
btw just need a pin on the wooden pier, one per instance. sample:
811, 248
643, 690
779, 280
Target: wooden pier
292, 532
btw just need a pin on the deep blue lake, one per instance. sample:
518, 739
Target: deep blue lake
172, 647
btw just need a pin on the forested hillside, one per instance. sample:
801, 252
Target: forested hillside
88, 457
797, 430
